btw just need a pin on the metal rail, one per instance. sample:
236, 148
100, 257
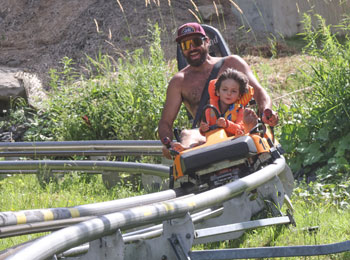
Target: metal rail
84, 148
268, 252
26, 218
69, 237
132, 167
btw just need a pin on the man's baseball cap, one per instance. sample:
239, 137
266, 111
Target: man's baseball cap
189, 29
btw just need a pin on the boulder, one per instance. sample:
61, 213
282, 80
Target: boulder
207, 11
16, 83
33, 87
10, 87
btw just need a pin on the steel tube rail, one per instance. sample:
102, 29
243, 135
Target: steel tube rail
131, 167
157, 230
52, 225
95, 209
269, 252
73, 145
83, 232
67, 153
68, 148
38, 227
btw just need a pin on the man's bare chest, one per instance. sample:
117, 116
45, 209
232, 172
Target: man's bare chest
193, 92
193, 88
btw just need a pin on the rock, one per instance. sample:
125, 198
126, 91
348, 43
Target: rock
207, 11
10, 87
15, 83
35, 93
6, 137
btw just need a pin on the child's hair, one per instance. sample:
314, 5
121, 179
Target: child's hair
236, 76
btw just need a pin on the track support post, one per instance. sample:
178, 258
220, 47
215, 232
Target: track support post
106, 248
174, 244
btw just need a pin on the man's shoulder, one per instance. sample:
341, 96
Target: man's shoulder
177, 80
234, 59
183, 74
236, 62
178, 76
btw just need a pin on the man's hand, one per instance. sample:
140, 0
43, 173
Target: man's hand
166, 152
270, 117
168, 145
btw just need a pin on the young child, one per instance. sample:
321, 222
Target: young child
230, 93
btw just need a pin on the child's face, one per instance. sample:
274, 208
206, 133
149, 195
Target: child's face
229, 91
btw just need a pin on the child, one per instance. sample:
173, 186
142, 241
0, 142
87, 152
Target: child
230, 93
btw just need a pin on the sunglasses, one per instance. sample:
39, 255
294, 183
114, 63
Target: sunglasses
195, 42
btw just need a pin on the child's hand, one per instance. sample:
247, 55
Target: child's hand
221, 122
239, 132
203, 127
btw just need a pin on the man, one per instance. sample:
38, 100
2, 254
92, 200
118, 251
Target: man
187, 85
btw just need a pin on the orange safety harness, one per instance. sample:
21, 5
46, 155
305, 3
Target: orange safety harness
234, 114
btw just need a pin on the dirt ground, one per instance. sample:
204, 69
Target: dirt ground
35, 35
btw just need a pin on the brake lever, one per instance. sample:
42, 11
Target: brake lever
173, 152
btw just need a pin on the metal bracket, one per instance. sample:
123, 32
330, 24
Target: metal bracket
105, 248
179, 248
214, 231
174, 243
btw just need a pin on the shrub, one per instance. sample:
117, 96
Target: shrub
316, 132
116, 99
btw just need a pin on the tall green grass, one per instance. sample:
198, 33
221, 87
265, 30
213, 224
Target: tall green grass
26, 192
315, 129
115, 98
314, 206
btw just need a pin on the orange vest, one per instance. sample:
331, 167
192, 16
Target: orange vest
233, 115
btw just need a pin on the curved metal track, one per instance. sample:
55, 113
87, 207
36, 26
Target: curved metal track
29, 166
86, 231
11, 218
85, 148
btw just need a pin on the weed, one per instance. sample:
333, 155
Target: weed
316, 135
116, 99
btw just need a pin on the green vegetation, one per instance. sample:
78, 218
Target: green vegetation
315, 128
116, 99
25, 192
314, 204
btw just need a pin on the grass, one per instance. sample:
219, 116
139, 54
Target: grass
25, 192
312, 208
279, 76
313, 227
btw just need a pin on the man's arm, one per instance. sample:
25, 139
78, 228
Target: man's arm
171, 108
260, 95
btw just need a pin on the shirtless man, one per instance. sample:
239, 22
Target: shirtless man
187, 85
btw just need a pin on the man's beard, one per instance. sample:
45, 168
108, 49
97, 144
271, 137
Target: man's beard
197, 63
